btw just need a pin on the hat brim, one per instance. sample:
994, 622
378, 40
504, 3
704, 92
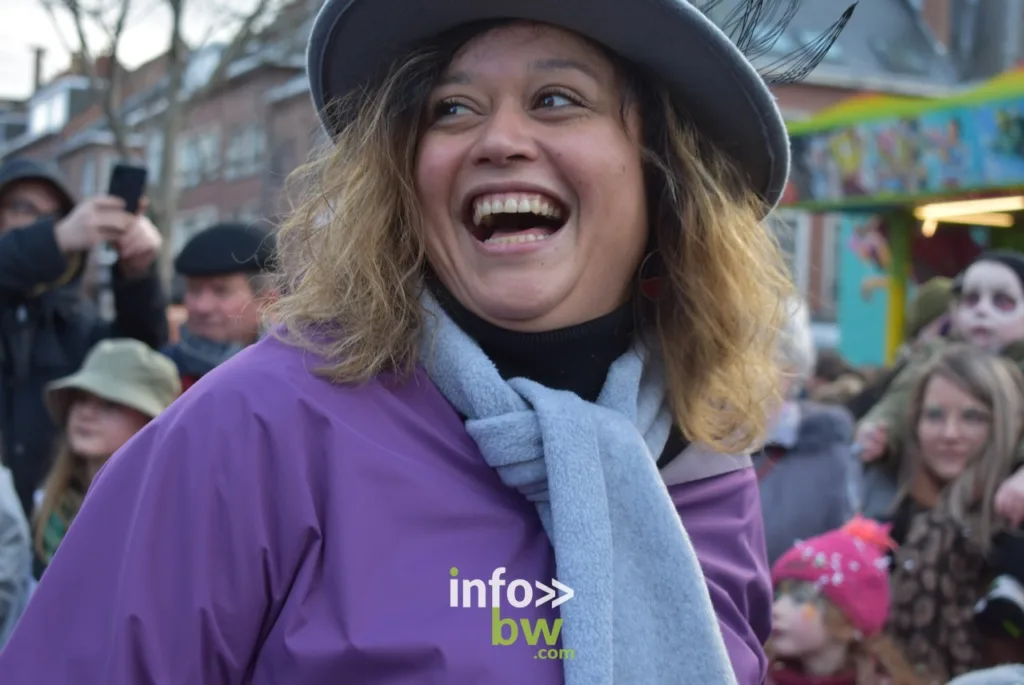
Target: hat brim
59, 392
352, 41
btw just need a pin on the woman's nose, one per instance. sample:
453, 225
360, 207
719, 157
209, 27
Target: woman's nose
951, 429
507, 137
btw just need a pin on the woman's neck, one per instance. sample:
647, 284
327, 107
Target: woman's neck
90, 467
924, 487
575, 359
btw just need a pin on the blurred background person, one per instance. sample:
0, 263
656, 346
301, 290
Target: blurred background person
227, 270
16, 581
965, 422
120, 388
834, 380
46, 324
832, 598
807, 451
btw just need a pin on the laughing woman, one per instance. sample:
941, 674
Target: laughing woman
527, 341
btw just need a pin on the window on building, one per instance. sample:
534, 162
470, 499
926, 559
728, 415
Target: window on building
247, 214
105, 168
88, 188
188, 223
208, 145
198, 158
154, 155
835, 52
792, 231
245, 153
827, 266
49, 115
782, 43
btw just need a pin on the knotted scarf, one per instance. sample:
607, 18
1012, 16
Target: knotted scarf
641, 611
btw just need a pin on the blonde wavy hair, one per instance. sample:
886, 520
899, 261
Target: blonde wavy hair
352, 256
998, 384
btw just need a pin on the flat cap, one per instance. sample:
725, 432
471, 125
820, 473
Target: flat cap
227, 248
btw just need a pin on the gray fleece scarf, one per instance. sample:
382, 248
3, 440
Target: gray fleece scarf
641, 612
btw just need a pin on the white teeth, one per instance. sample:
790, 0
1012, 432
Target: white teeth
517, 238
518, 203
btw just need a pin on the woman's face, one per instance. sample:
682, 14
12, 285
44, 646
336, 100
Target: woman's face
97, 428
990, 310
952, 429
530, 182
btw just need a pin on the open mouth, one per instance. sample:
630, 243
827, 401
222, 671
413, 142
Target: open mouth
510, 218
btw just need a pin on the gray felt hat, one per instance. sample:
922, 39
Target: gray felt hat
352, 41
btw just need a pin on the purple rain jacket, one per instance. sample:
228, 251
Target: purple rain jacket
273, 528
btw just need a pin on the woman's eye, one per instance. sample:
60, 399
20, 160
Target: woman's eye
972, 416
556, 100
971, 299
449, 108
934, 415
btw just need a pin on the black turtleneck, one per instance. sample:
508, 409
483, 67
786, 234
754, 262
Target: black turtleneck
575, 359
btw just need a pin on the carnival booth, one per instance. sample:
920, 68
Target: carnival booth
919, 187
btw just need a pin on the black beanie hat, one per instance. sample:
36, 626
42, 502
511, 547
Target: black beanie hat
1009, 258
227, 248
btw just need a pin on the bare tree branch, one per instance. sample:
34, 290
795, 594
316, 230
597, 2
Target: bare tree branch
106, 90
232, 51
47, 6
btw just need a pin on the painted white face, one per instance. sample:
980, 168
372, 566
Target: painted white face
990, 311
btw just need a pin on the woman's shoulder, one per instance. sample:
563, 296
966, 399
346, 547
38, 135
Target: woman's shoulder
272, 371
276, 388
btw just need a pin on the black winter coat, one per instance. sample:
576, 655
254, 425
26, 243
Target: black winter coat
46, 329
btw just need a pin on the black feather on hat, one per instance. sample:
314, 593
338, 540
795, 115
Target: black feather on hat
227, 248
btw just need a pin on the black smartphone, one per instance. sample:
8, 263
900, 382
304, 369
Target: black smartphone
128, 183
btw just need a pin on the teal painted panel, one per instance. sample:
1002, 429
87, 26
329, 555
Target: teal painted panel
861, 315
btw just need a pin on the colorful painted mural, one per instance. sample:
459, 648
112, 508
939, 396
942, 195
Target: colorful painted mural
890, 150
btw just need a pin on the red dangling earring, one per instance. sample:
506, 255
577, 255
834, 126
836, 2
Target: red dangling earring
650, 287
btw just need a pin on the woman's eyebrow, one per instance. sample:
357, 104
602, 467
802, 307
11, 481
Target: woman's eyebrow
556, 64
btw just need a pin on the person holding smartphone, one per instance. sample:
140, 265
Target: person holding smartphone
46, 324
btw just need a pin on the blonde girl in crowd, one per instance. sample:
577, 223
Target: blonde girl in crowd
966, 416
122, 385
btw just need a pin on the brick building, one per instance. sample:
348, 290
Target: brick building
242, 138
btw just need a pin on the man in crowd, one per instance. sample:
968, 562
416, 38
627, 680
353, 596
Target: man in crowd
227, 275
46, 324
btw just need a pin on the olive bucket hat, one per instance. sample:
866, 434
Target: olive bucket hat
123, 371
353, 42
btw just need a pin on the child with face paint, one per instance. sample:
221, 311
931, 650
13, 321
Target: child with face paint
987, 312
831, 604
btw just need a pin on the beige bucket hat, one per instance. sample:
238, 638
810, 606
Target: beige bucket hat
120, 370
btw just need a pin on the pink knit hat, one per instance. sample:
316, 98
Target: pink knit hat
850, 569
